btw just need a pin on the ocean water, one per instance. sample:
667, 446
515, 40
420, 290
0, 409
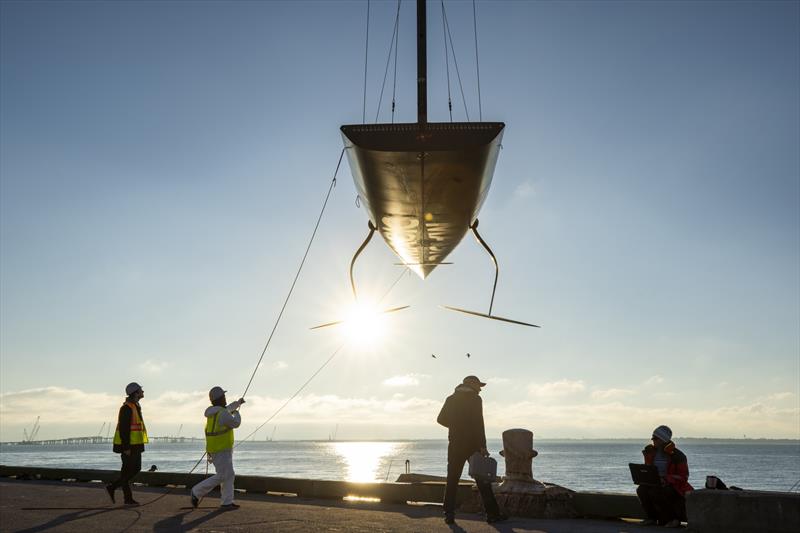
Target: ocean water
596, 465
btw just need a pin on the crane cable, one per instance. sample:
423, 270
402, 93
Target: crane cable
392, 45
455, 61
477, 63
396, 45
366, 56
447, 65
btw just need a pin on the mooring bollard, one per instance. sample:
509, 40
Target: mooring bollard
519, 453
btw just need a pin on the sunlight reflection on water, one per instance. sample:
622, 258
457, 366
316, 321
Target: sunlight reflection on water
365, 461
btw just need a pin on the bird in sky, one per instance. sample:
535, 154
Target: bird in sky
433, 356
468, 355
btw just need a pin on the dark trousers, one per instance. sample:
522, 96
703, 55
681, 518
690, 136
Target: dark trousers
455, 466
131, 465
662, 503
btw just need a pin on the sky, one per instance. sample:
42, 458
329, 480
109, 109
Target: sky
162, 165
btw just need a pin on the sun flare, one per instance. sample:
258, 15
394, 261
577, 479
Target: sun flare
365, 324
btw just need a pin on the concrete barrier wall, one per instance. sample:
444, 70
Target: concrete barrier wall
745, 511
432, 492
607, 505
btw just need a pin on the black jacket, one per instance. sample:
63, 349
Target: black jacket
462, 414
124, 427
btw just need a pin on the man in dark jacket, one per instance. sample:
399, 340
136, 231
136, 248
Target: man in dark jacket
462, 415
129, 440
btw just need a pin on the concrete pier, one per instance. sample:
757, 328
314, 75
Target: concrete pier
28, 506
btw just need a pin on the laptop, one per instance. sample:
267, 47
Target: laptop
644, 474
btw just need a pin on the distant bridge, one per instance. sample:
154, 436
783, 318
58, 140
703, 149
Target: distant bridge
96, 439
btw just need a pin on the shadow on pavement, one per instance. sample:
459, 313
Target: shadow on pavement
175, 522
77, 515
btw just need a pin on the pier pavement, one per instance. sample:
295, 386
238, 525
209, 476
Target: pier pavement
34, 506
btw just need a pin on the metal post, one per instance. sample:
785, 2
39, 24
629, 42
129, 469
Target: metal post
422, 64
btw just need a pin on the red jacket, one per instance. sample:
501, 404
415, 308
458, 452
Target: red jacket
677, 469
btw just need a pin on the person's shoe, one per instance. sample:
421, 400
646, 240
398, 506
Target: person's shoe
673, 523
110, 491
449, 518
131, 502
195, 501
230, 507
648, 522
496, 518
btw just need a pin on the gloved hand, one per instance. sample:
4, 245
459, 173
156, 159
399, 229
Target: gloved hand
241, 401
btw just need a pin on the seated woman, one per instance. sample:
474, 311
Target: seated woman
665, 504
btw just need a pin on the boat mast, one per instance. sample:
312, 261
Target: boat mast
422, 64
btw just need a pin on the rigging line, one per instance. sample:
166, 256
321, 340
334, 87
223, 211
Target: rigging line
477, 63
447, 66
455, 62
396, 44
297, 274
286, 301
304, 385
388, 61
366, 56
169, 491
293, 396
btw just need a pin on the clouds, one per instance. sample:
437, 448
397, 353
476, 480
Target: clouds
406, 380
556, 389
577, 388
653, 381
611, 394
153, 367
524, 190
561, 408
593, 419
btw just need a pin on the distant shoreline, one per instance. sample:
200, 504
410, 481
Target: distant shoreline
705, 440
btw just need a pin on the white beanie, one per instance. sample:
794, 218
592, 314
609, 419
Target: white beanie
663, 433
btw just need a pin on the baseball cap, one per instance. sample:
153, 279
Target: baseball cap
473, 380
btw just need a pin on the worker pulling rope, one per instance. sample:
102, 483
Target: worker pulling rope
283, 308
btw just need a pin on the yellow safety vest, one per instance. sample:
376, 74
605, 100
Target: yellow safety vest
219, 437
138, 431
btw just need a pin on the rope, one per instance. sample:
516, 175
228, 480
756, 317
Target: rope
277, 321
388, 61
477, 63
447, 65
366, 55
293, 396
297, 274
396, 44
455, 61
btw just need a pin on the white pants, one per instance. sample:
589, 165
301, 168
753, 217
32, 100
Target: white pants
223, 464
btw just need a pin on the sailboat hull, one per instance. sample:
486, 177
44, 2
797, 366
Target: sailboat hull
423, 184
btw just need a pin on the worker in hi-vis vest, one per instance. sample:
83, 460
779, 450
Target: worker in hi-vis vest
221, 419
129, 440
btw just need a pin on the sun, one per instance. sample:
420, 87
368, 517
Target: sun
365, 325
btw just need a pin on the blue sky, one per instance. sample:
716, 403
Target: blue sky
162, 166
